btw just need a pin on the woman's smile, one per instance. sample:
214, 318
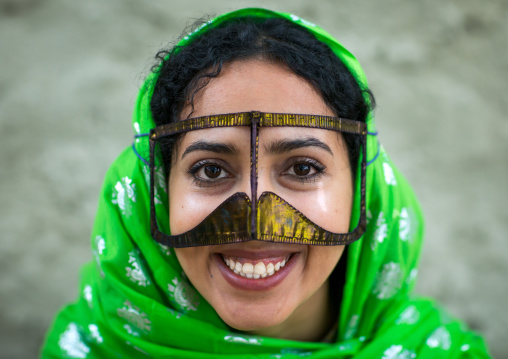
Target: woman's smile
255, 270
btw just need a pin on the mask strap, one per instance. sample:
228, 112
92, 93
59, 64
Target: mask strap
254, 145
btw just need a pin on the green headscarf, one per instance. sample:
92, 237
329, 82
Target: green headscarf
135, 300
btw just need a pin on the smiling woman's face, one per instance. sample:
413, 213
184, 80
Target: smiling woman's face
278, 290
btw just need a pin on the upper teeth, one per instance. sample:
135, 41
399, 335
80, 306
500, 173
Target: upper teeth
254, 271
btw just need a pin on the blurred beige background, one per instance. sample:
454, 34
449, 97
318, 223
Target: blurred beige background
69, 74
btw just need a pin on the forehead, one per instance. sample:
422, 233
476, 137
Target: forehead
256, 85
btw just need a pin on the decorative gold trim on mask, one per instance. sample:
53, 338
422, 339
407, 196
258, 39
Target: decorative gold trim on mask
264, 119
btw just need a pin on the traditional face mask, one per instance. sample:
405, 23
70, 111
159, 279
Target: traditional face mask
270, 218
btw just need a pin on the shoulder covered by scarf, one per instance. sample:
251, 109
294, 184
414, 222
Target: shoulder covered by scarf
135, 301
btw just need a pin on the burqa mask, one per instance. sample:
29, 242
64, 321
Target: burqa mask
270, 218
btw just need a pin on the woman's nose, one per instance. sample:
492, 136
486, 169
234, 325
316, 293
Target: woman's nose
266, 182
263, 183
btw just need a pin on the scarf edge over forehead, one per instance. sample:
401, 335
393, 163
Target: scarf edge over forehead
135, 300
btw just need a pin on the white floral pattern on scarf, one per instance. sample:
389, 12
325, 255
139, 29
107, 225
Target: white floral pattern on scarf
389, 175
184, 294
398, 352
381, 231
409, 316
388, 281
134, 316
72, 344
94, 333
243, 339
135, 271
87, 294
124, 195
440, 338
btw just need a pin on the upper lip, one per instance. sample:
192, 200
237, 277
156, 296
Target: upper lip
238, 253
247, 252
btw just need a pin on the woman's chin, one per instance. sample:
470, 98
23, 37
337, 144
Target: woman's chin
254, 319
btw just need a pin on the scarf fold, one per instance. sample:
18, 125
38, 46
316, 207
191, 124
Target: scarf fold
135, 300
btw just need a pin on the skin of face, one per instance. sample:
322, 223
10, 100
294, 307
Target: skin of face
297, 307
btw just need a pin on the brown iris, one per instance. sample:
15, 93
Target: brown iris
301, 169
212, 171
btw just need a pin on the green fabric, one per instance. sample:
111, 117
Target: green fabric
135, 300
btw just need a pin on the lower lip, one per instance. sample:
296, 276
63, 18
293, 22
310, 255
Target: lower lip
244, 283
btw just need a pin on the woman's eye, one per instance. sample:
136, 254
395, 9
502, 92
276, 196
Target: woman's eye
210, 172
205, 173
304, 170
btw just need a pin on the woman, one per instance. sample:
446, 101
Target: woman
292, 233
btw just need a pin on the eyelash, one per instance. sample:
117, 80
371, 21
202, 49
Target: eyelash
319, 167
195, 168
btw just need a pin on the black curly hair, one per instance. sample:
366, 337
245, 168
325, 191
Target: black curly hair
184, 71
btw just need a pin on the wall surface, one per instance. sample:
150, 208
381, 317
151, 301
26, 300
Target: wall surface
69, 74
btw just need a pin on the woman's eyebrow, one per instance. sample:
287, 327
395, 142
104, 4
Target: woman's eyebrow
216, 147
286, 145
